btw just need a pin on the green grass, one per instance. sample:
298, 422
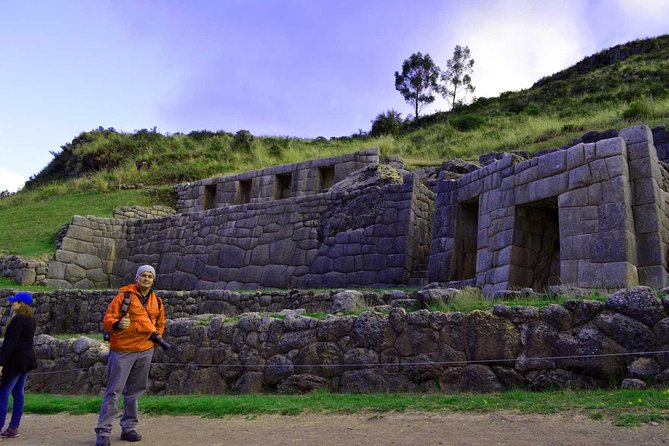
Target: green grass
621, 407
30, 229
9, 284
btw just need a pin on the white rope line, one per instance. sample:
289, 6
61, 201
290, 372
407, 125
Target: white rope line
363, 365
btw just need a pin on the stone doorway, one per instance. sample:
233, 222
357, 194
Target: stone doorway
463, 262
535, 253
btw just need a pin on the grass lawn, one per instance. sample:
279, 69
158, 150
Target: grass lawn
621, 407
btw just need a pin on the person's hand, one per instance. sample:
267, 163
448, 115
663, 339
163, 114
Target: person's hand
0, 370
124, 323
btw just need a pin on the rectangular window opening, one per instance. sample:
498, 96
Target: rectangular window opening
282, 186
209, 201
243, 192
463, 262
325, 178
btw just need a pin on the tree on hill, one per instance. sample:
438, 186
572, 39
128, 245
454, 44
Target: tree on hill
417, 81
457, 76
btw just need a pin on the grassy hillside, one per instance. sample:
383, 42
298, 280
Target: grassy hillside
625, 85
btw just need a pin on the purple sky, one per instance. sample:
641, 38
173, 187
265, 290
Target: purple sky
275, 67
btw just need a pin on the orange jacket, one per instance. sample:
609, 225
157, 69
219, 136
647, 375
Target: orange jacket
136, 337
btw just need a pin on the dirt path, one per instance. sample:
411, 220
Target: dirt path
424, 429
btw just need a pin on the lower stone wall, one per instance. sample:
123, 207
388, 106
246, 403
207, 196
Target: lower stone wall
581, 344
81, 311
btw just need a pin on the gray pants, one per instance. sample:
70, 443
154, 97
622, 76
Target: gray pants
127, 372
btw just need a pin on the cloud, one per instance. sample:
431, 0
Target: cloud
10, 181
516, 43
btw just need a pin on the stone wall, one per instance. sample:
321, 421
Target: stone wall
278, 182
81, 311
142, 212
581, 344
591, 216
363, 236
23, 271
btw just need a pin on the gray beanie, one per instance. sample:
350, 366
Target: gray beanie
143, 269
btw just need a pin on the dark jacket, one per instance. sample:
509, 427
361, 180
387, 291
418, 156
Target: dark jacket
17, 354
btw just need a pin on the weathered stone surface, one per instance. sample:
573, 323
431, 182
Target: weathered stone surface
25, 276
639, 303
628, 332
633, 383
489, 337
589, 351
472, 378
347, 300
419, 352
643, 368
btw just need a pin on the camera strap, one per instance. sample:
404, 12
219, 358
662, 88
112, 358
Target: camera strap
145, 302
126, 303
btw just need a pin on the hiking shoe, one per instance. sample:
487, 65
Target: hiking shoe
102, 441
10, 432
130, 435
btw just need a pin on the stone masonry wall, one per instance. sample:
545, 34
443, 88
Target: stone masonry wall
361, 237
81, 311
142, 212
23, 271
581, 344
607, 200
305, 179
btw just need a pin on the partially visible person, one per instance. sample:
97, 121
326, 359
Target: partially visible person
136, 320
17, 357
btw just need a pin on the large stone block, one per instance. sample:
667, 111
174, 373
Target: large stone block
552, 163
617, 275
25, 276
646, 218
643, 168
500, 240
636, 134
576, 247
589, 274
612, 246
570, 221
57, 283
575, 156
654, 276
88, 261
56, 270
569, 271
74, 273
78, 246
610, 147
599, 170
579, 177
645, 191
576, 197
613, 217
616, 166
649, 249
616, 190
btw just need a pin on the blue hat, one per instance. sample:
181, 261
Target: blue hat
23, 296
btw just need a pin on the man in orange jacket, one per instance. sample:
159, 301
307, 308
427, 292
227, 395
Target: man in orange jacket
136, 320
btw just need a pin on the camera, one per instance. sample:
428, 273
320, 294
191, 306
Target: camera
157, 339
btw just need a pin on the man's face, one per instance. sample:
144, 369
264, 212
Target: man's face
145, 280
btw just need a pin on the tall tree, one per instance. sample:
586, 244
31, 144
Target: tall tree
419, 78
457, 76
